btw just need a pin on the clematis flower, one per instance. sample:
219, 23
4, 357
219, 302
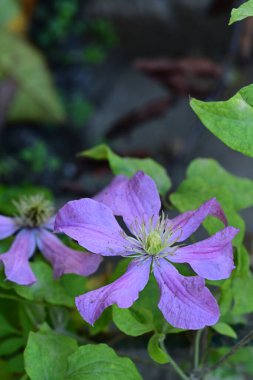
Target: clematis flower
154, 243
33, 225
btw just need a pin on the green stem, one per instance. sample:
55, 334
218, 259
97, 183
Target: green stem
176, 367
197, 348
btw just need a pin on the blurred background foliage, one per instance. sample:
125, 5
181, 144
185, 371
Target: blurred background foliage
79, 73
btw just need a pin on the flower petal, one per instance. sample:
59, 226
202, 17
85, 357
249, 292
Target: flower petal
187, 223
93, 225
64, 259
8, 226
50, 223
135, 199
123, 292
185, 301
211, 258
16, 260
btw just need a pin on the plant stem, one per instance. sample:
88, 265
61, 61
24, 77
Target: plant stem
197, 348
246, 339
176, 367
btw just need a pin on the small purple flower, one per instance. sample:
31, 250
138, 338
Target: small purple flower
33, 223
153, 243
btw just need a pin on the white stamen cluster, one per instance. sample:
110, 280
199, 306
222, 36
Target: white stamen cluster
152, 238
33, 211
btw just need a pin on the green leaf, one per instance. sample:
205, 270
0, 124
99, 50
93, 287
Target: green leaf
8, 12
11, 345
240, 13
6, 328
242, 290
46, 288
134, 321
99, 362
225, 329
129, 166
155, 351
46, 354
35, 98
185, 199
241, 189
230, 120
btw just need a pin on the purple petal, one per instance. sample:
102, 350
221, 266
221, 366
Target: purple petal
16, 260
50, 223
66, 260
185, 301
122, 292
187, 223
8, 226
135, 199
93, 225
211, 258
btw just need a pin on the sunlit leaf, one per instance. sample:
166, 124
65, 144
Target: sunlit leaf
46, 354
230, 120
129, 166
225, 329
100, 362
240, 13
35, 97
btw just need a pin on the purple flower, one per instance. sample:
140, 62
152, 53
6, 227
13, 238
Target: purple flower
33, 226
154, 244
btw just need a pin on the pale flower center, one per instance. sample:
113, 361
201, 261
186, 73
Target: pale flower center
33, 211
154, 243
151, 238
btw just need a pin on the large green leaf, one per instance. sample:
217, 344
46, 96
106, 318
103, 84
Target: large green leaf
99, 362
240, 13
46, 354
241, 189
194, 191
35, 98
230, 120
129, 166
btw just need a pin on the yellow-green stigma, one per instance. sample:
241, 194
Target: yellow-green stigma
154, 243
33, 211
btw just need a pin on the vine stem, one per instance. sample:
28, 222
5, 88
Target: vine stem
245, 340
176, 367
197, 349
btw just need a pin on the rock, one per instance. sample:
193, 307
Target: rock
132, 91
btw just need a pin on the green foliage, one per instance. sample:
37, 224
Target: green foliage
245, 10
129, 166
235, 368
8, 12
207, 178
224, 329
230, 120
6, 328
241, 189
46, 288
90, 362
134, 321
35, 97
155, 350
46, 354
11, 345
